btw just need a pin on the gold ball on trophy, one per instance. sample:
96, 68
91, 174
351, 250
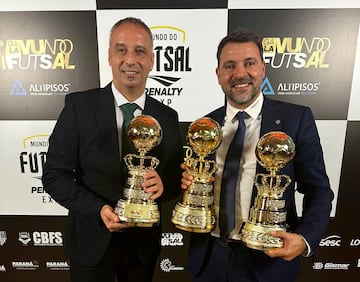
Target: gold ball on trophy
204, 136
275, 149
144, 132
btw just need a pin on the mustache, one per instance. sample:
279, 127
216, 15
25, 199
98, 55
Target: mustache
244, 80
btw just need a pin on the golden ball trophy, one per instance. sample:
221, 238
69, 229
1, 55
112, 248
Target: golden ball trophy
195, 213
136, 207
273, 151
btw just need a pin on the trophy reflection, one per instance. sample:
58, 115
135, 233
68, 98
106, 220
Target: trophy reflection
195, 213
136, 206
273, 151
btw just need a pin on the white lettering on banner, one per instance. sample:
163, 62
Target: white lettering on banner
340, 266
331, 241
47, 238
57, 265
172, 239
355, 242
25, 265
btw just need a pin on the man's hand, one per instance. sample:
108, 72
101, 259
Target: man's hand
293, 246
153, 184
111, 220
186, 179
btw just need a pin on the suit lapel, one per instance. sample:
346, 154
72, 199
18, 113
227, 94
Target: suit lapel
272, 117
104, 110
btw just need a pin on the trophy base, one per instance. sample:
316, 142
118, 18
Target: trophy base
140, 215
193, 219
256, 236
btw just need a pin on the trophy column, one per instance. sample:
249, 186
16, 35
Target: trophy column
136, 206
273, 151
195, 213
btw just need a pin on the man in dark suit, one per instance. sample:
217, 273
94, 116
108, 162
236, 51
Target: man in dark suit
217, 258
83, 171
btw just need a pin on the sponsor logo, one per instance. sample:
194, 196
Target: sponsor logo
297, 53
18, 89
298, 88
47, 238
42, 238
318, 265
331, 241
355, 242
266, 87
32, 159
24, 238
25, 265
172, 239
33, 54
167, 266
40, 89
57, 265
290, 88
172, 60
31, 162
330, 265
3, 238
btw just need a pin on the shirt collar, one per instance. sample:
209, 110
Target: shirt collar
252, 110
121, 100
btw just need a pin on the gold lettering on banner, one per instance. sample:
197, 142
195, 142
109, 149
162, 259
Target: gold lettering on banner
298, 52
32, 54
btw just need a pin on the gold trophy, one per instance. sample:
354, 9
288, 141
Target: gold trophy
273, 151
195, 213
136, 207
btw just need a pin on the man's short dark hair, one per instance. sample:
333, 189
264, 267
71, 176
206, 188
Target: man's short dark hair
239, 36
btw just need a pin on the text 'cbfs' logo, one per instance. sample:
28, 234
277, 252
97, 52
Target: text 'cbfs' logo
32, 54
41, 238
299, 52
171, 61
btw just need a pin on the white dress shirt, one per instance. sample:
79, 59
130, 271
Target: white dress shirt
121, 100
248, 162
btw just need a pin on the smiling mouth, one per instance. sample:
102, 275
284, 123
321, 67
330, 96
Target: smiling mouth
130, 72
241, 86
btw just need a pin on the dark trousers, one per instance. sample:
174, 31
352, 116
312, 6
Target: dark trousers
120, 263
228, 262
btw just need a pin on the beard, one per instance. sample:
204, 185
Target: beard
241, 99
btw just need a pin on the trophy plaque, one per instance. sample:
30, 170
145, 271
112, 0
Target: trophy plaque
195, 213
273, 151
136, 207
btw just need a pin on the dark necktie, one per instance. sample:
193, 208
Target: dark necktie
128, 114
229, 179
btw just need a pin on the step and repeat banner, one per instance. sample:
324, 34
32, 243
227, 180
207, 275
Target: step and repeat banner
51, 48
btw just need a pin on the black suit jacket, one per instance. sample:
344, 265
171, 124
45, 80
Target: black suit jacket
307, 170
83, 171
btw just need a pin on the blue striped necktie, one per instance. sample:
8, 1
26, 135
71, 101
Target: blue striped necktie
229, 179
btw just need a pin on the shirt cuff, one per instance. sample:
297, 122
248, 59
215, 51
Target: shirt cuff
307, 253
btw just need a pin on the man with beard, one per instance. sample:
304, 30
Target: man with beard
220, 256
